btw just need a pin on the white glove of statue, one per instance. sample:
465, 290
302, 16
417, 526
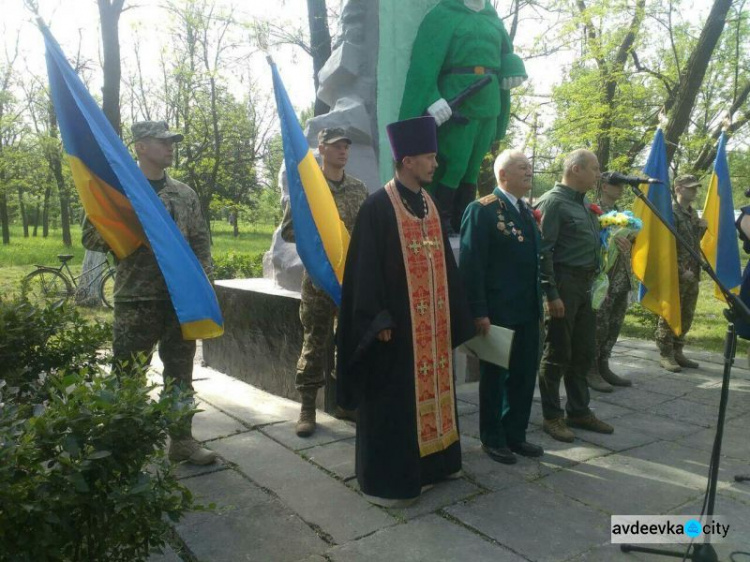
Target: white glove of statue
441, 111
510, 82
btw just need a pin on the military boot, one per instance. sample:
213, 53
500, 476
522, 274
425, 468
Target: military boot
189, 450
559, 430
306, 423
668, 363
610, 377
683, 361
445, 198
596, 382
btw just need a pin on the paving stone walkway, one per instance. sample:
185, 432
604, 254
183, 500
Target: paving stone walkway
282, 498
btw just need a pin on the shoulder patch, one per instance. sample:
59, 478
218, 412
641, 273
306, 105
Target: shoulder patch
487, 199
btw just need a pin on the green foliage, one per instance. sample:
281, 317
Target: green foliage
87, 479
37, 342
233, 265
83, 475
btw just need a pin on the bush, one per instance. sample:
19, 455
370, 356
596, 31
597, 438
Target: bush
233, 265
36, 342
83, 475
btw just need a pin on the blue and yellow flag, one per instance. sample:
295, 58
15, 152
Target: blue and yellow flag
655, 249
322, 238
719, 243
121, 203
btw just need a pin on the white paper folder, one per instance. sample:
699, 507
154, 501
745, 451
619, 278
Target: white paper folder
493, 348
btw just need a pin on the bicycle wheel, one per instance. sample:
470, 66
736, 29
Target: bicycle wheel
46, 286
107, 289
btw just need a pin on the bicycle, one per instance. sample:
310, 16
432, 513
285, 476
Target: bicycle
49, 284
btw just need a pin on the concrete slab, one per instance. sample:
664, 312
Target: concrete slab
468, 425
318, 498
248, 404
210, 423
443, 494
466, 407
736, 514
601, 483
735, 442
535, 523
607, 410
427, 538
187, 470
468, 392
492, 475
329, 429
691, 412
169, 555
337, 457
247, 523
635, 399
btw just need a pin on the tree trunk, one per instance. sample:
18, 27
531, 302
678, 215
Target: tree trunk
4, 217
87, 293
109, 17
36, 220
693, 74
22, 212
45, 212
320, 44
54, 158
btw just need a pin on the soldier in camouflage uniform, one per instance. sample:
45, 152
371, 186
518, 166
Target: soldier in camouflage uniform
611, 314
144, 315
317, 311
691, 229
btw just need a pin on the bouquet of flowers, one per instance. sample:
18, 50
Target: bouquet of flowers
614, 224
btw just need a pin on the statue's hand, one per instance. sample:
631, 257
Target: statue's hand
441, 111
511, 82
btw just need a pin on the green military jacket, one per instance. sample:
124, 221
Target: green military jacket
349, 194
688, 226
620, 274
138, 275
570, 234
499, 261
453, 36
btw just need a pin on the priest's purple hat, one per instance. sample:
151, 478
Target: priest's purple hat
412, 137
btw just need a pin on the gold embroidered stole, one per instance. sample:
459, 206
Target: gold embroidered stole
427, 281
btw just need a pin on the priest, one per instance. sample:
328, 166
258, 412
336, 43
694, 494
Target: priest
403, 311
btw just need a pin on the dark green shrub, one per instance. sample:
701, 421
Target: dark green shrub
83, 475
87, 479
233, 265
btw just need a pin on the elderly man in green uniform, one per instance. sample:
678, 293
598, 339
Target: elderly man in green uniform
611, 314
500, 243
691, 228
458, 43
144, 315
569, 263
317, 311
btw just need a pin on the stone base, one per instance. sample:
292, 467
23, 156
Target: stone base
263, 338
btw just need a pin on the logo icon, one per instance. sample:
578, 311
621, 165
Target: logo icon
693, 528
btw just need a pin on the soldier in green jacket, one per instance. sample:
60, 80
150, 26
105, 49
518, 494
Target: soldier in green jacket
458, 43
500, 244
691, 228
144, 315
317, 311
611, 314
569, 263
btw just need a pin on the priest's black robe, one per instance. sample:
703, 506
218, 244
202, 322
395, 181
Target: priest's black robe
377, 378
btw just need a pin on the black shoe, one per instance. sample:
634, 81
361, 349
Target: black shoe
527, 449
500, 454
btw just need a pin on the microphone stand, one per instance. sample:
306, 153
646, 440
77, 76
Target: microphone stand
735, 310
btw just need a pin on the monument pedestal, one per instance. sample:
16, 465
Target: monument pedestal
263, 338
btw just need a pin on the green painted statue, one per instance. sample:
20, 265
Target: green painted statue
459, 43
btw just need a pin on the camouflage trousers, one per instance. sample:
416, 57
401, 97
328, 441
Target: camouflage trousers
318, 313
139, 326
666, 341
609, 319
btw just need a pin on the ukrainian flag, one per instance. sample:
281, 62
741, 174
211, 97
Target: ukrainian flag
322, 238
654, 256
719, 243
121, 203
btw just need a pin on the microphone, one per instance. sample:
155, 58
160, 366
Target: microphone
616, 178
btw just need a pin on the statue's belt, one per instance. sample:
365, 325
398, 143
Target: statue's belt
479, 70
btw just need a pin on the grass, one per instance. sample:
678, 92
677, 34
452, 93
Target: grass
707, 331
18, 258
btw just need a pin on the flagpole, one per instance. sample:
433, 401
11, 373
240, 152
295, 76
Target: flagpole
736, 310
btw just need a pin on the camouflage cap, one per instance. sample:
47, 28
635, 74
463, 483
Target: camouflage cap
332, 135
687, 180
154, 130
